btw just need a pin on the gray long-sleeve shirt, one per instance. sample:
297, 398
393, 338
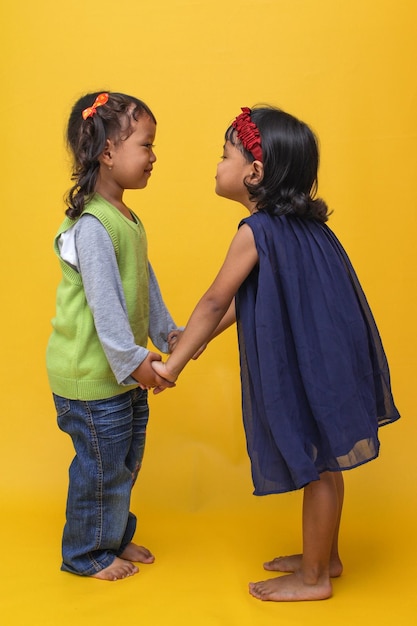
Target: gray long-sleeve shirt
88, 248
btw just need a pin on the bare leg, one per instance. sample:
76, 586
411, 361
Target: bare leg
117, 570
336, 565
292, 563
321, 515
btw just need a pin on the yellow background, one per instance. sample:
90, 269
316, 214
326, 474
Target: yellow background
346, 68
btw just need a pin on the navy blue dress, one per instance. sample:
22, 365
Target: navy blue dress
315, 379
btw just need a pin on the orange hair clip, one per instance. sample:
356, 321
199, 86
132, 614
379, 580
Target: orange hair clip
99, 101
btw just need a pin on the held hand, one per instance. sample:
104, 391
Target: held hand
147, 377
161, 369
164, 385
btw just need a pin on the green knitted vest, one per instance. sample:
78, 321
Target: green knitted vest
76, 363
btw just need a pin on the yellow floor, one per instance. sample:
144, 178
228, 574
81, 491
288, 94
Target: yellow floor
207, 550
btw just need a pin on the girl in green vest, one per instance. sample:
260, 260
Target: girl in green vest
108, 303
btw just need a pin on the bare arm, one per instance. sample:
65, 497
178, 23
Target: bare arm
215, 310
227, 320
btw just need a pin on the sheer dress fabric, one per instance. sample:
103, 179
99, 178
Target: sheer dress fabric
315, 379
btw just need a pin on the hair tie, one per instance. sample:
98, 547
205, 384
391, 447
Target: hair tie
248, 133
99, 101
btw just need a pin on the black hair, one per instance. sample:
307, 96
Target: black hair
86, 139
291, 161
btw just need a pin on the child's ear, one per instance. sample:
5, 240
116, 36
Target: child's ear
106, 157
257, 173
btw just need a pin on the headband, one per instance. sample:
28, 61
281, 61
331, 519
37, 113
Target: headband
248, 133
99, 101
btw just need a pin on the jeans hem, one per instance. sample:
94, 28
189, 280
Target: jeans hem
98, 566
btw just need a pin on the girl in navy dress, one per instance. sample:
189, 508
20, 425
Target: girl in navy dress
315, 380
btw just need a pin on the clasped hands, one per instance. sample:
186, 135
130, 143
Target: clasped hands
149, 373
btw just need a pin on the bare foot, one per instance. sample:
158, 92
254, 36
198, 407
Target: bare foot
290, 588
139, 554
117, 570
290, 564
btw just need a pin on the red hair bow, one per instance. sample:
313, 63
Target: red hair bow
99, 101
248, 133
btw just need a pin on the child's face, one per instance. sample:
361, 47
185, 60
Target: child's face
133, 158
232, 170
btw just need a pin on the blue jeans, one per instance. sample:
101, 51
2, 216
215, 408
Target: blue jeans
109, 440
